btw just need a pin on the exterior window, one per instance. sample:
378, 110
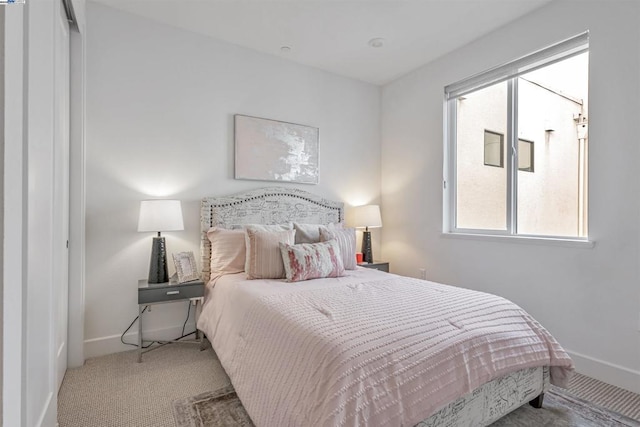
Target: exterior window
493, 149
533, 117
525, 155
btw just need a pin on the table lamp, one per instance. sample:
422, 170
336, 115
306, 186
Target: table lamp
367, 216
158, 216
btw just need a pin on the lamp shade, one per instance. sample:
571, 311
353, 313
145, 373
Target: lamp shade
160, 215
367, 216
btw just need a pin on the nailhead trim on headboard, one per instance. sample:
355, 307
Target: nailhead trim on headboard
271, 205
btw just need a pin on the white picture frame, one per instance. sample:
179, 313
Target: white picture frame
186, 267
271, 150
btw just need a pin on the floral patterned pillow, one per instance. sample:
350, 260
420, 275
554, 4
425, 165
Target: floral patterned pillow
306, 261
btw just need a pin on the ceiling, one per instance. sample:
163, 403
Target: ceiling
334, 35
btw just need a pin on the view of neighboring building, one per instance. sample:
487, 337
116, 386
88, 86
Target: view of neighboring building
551, 117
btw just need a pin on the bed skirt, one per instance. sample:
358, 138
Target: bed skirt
492, 400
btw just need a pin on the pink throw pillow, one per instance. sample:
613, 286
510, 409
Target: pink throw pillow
228, 250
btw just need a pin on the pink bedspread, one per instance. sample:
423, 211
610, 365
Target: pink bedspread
367, 349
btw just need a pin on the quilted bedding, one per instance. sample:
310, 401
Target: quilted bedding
369, 348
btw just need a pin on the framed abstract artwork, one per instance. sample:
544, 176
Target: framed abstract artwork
270, 150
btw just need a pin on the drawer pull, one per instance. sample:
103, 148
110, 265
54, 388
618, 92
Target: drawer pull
173, 292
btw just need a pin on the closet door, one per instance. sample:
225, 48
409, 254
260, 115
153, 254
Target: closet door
61, 190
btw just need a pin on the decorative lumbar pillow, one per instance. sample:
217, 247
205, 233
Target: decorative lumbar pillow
306, 261
346, 238
264, 259
228, 250
310, 233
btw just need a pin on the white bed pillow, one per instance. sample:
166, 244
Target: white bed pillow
346, 238
310, 233
228, 250
306, 261
264, 259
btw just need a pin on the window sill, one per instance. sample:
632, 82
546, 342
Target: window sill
548, 241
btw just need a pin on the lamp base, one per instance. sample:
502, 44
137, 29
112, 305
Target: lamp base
367, 254
158, 266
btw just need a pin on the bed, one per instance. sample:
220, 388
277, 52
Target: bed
366, 348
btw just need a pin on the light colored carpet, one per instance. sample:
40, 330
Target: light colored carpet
115, 391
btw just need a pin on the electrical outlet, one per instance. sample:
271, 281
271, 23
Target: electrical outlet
423, 273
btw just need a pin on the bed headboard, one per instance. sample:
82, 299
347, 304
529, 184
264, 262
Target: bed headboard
272, 205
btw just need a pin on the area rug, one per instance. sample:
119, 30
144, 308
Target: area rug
211, 409
222, 408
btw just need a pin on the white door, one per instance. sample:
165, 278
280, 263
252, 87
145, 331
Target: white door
61, 189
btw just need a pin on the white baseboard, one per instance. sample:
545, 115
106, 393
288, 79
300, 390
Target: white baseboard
608, 372
111, 344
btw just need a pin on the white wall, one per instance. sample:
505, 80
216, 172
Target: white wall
588, 298
160, 106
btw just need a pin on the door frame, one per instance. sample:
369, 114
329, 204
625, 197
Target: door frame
77, 53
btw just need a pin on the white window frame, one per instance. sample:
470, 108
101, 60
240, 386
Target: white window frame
509, 73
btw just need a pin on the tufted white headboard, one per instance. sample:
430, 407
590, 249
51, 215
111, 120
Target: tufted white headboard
272, 205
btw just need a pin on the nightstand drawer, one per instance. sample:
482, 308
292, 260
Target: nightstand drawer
164, 293
378, 265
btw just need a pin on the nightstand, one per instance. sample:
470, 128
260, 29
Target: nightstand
161, 293
378, 265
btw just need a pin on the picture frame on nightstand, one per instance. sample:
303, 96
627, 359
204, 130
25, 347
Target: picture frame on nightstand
186, 268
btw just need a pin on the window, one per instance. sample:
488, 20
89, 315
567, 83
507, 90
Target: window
493, 149
517, 146
525, 155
